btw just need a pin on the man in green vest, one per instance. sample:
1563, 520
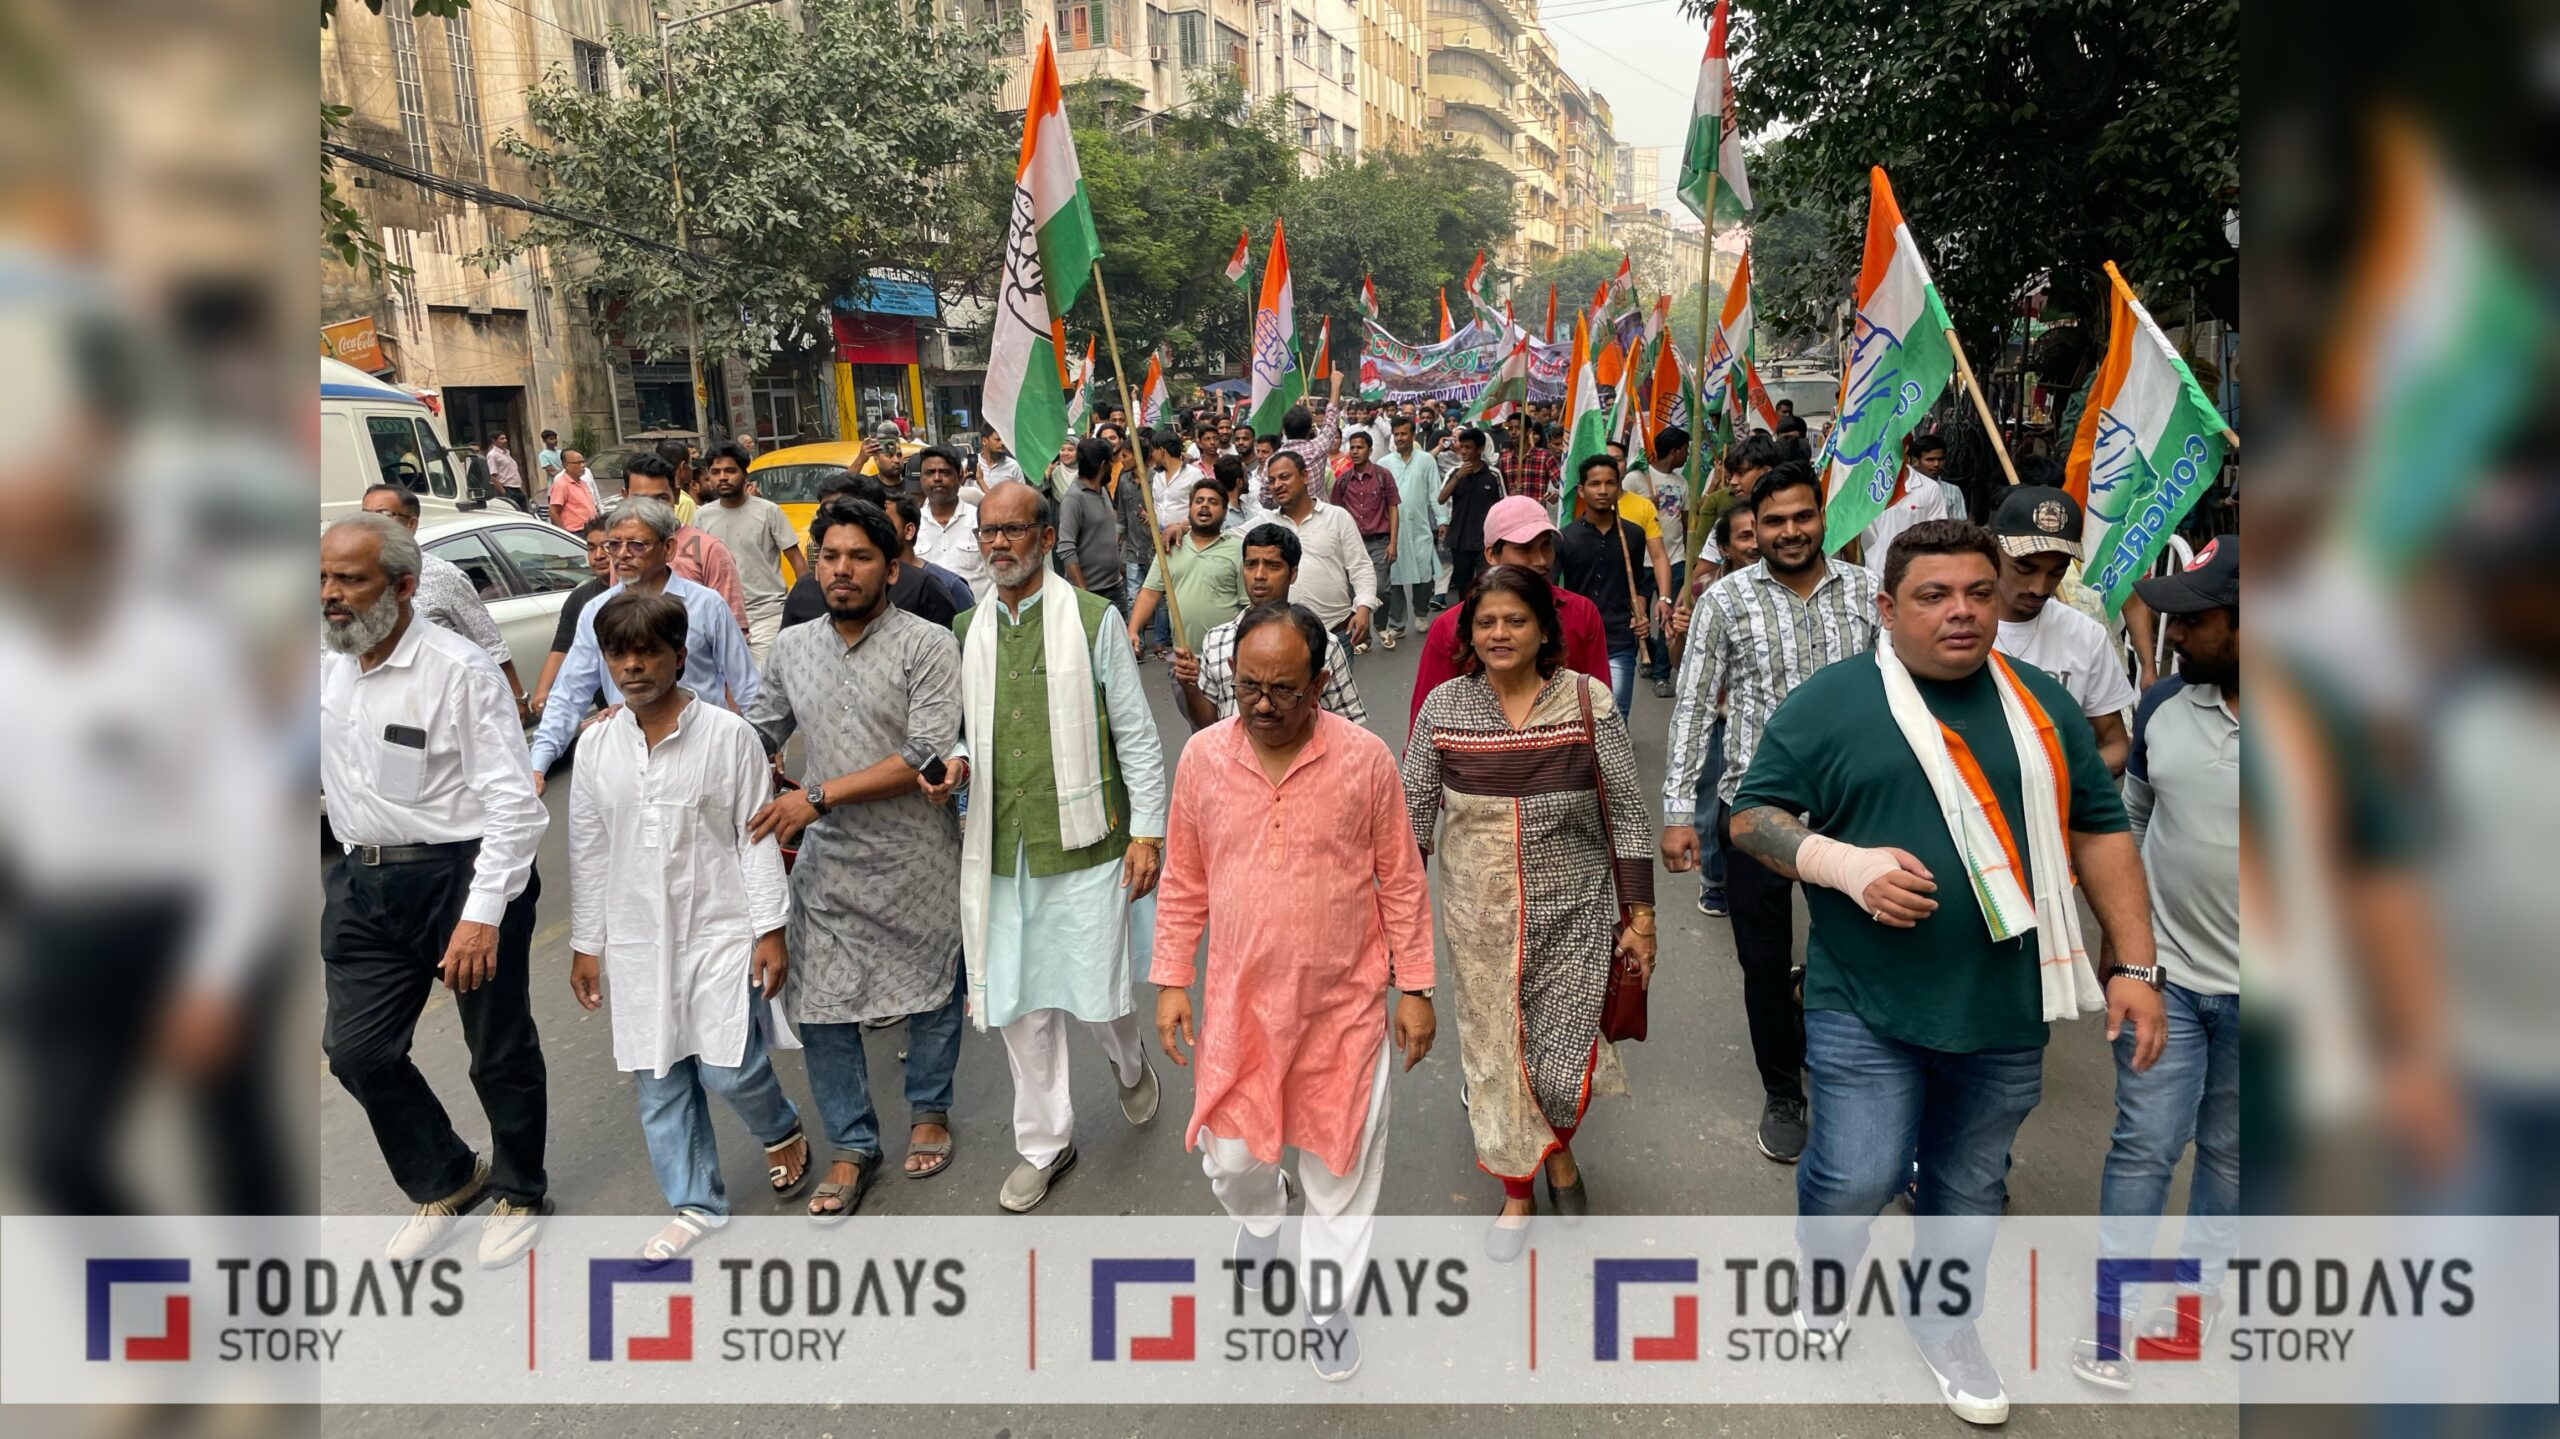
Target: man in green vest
1065, 836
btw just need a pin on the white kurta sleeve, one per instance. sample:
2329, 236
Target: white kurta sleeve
590, 864
1133, 731
760, 861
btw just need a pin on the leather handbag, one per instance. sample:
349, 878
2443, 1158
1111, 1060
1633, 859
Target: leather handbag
1622, 1004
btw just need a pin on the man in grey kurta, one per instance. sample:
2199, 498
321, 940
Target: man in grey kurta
875, 919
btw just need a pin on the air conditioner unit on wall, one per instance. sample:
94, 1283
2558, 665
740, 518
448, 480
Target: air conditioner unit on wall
1160, 53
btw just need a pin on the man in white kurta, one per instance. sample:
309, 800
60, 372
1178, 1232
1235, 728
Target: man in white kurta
679, 913
1064, 834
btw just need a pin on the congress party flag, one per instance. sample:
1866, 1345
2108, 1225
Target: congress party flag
1712, 184
1590, 429
2147, 448
1080, 408
1239, 264
1368, 296
1324, 352
1277, 380
1899, 363
1151, 395
1446, 330
1509, 390
1050, 248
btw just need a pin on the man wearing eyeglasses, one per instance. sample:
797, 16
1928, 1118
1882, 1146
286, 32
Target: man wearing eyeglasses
1063, 837
1205, 683
716, 661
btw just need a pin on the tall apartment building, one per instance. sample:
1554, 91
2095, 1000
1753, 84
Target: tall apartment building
1494, 83
1639, 176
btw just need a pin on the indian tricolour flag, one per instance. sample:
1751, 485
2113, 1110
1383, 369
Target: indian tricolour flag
1728, 372
1050, 248
1590, 433
2148, 446
1151, 396
1239, 264
1277, 380
1080, 408
1368, 297
1712, 184
2436, 360
1899, 361
1503, 398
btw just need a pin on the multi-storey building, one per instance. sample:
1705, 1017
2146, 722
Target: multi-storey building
1638, 180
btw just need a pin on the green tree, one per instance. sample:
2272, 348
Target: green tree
1805, 248
864, 139
2028, 140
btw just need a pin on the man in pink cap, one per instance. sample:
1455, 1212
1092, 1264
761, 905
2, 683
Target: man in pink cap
1517, 531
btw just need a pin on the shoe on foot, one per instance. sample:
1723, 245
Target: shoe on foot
1389, 638
510, 1230
1336, 1355
1262, 1248
1711, 903
1571, 1202
1781, 1134
1139, 1101
1030, 1183
1662, 689
1505, 1242
428, 1229
1966, 1379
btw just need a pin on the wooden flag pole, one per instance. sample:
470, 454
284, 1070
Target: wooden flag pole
1972, 386
1173, 607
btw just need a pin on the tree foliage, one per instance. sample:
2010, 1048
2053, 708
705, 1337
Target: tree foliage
1171, 195
2028, 140
865, 139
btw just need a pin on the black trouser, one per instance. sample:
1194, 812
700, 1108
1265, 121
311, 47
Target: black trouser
383, 931
90, 980
1762, 905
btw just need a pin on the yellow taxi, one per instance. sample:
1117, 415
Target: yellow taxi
792, 476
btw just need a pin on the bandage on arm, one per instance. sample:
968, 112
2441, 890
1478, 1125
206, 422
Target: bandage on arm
1844, 867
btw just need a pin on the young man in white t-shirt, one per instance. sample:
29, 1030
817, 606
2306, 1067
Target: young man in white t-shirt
2039, 530
1924, 496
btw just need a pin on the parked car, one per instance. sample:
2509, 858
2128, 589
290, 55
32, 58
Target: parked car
523, 569
372, 432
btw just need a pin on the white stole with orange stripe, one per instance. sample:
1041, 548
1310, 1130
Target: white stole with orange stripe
1987, 842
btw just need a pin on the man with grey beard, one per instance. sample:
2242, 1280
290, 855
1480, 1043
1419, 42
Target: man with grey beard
422, 758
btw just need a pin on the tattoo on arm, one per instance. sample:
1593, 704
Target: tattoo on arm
1771, 836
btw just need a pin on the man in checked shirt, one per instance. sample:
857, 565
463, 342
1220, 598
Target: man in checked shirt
1757, 634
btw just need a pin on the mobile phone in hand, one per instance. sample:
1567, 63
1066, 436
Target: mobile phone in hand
934, 770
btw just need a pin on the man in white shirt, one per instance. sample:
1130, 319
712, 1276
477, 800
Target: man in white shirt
446, 595
2039, 530
996, 466
1335, 578
428, 795
1924, 497
947, 529
671, 899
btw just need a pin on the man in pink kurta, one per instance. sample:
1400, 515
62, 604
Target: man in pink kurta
1288, 844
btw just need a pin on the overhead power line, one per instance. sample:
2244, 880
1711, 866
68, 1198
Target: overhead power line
487, 195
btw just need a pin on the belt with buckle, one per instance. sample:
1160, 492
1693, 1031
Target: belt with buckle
382, 854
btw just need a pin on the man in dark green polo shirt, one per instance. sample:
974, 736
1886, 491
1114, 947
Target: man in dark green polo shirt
1923, 1034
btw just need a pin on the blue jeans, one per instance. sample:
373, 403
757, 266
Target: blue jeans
2191, 1093
1875, 1102
1710, 814
840, 1078
1622, 680
1159, 628
675, 1117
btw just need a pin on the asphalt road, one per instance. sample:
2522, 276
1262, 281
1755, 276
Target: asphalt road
1681, 1145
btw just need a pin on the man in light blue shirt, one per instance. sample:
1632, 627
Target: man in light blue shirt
716, 658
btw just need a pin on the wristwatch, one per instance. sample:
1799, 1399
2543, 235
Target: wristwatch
817, 794
1424, 995
2148, 973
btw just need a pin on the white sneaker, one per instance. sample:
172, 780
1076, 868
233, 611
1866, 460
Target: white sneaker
1966, 1379
428, 1229
510, 1231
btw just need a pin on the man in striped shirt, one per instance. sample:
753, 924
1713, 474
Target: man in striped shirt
1759, 632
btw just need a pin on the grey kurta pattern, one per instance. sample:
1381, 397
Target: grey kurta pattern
875, 913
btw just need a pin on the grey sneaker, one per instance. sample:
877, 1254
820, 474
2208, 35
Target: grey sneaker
1261, 1249
1781, 1134
1029, 1183
510, 1230
1336, 1353
1139, 1101
426, 1231
1966, 1379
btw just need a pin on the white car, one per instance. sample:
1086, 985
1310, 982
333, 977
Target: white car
523, 568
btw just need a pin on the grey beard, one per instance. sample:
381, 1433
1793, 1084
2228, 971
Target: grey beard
370, 627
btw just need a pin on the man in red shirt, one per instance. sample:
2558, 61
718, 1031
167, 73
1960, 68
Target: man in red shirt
1517, 531
1368, 494
1540, 470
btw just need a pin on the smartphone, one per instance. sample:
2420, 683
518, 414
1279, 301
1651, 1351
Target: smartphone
935, 769
403, 766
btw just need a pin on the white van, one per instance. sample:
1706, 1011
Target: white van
371, 432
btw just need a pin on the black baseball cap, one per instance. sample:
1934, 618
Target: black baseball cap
2210, 582
2037, 520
